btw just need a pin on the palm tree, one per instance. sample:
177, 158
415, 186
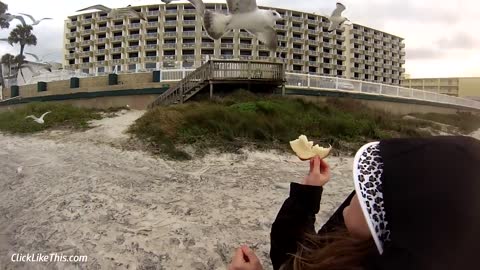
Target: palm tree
22, 34
3, 10
8, 60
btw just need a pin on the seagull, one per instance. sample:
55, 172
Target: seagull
113, 12
38, 120
35, 22
167, 1
9, 17
336, 18
243, 14
46, 65
19, 170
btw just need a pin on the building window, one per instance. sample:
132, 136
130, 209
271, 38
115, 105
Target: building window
263, 53
245, 52
152, 53
71, 62
297, 67
101, 69
207, 52
116, 56
169, 52
85, 60
132, 67
133, 55
226, 52
86, 70
101, 58
312, 69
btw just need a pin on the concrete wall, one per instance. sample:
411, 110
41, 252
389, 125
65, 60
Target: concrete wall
139, 102
390, 107
89, 84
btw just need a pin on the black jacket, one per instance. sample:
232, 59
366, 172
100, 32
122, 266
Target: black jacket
432, 201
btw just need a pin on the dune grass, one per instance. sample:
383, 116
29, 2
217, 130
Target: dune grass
61, 116
243, 119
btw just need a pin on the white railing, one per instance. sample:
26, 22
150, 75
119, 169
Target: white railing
354, 86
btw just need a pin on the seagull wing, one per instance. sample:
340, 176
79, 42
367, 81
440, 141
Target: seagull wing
333, 25
338, 11
268, 36
241, 6
45, 19
34, 56
43, 115
99, 7
29, 16
199, 5
32, 116
21, 19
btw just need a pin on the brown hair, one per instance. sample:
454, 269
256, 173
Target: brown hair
333, 251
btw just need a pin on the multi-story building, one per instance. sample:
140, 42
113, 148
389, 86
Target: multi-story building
459, 87
173, 37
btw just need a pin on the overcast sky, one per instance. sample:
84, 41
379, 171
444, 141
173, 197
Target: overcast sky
441, 36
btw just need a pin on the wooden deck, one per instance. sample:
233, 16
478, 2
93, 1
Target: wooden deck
216, 72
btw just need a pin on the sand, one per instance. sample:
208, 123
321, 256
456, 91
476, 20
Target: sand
80, 193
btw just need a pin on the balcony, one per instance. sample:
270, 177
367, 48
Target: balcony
72, 24
101, 40
116, 50
151, 35
133, 48
402, 61
151, 47
327, 35
153, 13
246, 57
101, 29
378, 37
134, 26
227, 56
226, 45
328, 45
279, 26
282, 38
243, 34
297, 19
134, 37
310, 21
246, 46
208, 45
340, 38
170, 34
86, 21
169, 57
188, 45
369, 62
85, 65
117, 38
265, 58
326, 55
297, 61
402, 45
189, 33
379, 55
102, 19
313, 63
101, 63
327, 65
152, 24
299, 40
72, 34
101, 51
132, 60
171, 11
190, 11
341, 57
368, 34
189, 22
169, 46
151, 59
86, 42
117, 61
343, 68
312, 32
297, 29
339, 47
117, 27
171, 22
369, 52
298, 51
70, 56
87, 32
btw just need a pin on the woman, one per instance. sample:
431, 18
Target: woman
416, 205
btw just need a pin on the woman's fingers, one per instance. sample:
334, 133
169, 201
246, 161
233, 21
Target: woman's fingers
238, 257
247, 252
324, 167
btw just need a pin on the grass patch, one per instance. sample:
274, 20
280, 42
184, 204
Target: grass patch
466, 122
244, 119
61, 116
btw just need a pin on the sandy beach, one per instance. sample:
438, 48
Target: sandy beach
83, 194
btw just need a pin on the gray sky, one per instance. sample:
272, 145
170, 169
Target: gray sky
439, 34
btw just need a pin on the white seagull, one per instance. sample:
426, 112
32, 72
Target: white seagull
113, 12
243, 14
336, 18
35, 22
38, 120
9, 17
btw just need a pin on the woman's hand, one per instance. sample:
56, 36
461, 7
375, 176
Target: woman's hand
245, 259
319, 173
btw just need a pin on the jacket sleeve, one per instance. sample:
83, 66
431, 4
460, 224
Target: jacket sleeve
295, 219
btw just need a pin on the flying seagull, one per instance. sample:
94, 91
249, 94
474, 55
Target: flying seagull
243, 14
6, 40
336, 18
35, 22
9, 17
167, 1
113, 12
46, 65
38, 120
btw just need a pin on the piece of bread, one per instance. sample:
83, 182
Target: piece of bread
306, 150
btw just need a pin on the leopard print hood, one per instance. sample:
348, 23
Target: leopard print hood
421, 199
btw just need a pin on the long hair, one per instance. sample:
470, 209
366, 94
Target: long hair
335, 250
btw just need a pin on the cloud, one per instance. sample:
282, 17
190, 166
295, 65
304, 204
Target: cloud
458, 41
423, 53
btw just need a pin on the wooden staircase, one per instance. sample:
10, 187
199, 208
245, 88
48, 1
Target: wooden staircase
222, 71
